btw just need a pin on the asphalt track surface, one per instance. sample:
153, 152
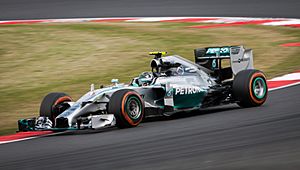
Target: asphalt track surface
44, 9
266, 137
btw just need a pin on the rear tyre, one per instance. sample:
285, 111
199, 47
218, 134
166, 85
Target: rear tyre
127, 107
54, 104
250, 88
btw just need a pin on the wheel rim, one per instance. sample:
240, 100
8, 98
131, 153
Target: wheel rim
259, 87
133, 107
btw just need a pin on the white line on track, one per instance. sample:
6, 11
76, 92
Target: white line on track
282, 87
276, 22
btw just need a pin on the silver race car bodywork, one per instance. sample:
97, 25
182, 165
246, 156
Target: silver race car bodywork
175, 84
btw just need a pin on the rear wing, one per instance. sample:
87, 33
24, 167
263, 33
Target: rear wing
210, 57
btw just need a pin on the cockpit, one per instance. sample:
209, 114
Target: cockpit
167, 69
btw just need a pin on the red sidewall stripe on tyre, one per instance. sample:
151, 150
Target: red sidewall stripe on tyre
62, 99
251, 89
125, 115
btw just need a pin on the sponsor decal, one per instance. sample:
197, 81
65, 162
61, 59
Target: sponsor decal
170, 93
235, 50
187, 90
241, 60
214, 63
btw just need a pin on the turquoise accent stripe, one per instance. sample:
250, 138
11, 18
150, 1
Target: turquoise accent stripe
264, 85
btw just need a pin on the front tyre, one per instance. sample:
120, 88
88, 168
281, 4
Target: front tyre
54, 104
127, 107
250, 88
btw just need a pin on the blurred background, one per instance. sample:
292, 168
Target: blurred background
39, 58
34, 9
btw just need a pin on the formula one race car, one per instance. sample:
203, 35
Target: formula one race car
175, 84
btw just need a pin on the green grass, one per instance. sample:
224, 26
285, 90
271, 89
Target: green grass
41, 58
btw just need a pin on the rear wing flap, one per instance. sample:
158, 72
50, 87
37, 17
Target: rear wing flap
210, 57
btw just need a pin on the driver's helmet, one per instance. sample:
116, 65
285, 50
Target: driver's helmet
145, 78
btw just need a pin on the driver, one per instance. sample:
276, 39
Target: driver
145, 79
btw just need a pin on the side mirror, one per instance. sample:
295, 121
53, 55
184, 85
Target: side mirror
116, 81
92, 89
